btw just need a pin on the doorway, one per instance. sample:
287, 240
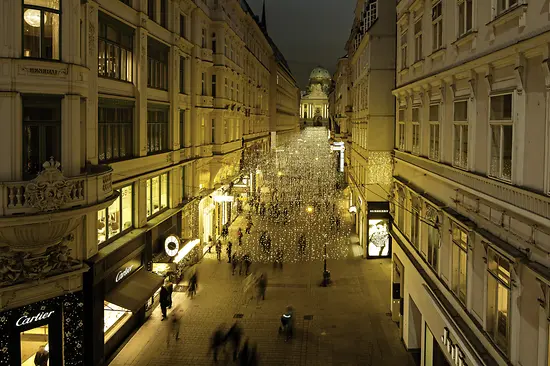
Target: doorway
32, 341
414, 331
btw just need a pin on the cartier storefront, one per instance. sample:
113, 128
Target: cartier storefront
39, 326
117, 288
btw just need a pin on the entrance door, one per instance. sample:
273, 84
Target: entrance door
33, 341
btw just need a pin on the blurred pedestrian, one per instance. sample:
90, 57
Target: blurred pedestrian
217, 341
193, 285
253, 359
219, 250
174, 327
234, 262
249, 226
247, 263
229, 247
240, 236
163, 300
210, 243
170, 289
234, 337
244, 355
262, 285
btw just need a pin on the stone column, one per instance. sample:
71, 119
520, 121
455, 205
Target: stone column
11, 136
140, 77
173, 94
91, 29
70, 31
10, 36
70, 135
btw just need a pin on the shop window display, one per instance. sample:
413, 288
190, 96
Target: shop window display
379, 238
114, 317
117, 218
35, 346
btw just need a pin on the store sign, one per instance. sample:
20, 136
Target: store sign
172, 245
123, 273
454, 350
25, 320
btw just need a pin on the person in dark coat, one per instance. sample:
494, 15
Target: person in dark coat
244, 355
229, 247
219, 250
217, 341
41, 357
262, 285
234, 337
234, 263
163, 299
247, 262
170, 288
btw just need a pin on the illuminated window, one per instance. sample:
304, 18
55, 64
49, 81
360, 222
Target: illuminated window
498, 299
115, 130
157, 130
117, 219
502, 130
157, 64
157, 194
115, 49
41, 29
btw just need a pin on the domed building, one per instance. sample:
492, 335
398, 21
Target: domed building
314, 102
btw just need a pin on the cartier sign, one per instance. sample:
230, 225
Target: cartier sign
24, 320
123, 273
453, 349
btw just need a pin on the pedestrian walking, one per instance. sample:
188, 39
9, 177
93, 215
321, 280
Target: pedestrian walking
193, 285
240, 236
234, 263
225, 231
210, 243
262, 285
247, 263
229, 247
219, 250
174, 328
170, 289
234, 337
278, 262
244, 355
217, 341
253, 358
249, 226
241, 263
163, 300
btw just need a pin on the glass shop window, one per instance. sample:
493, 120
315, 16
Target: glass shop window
116, 219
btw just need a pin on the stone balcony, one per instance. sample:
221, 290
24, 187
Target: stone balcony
41, 222
205, 101
206, 55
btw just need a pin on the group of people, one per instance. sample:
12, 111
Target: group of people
246, 355
243, 262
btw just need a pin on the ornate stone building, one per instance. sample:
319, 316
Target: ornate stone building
471, 181
124, 126
314, 103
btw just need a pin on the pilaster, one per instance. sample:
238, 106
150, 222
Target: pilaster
140, 119
10, 30
173, 95
70, 135
11, 136
70, 36
92, 29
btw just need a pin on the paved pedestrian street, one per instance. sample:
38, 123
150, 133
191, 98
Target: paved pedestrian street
346, 323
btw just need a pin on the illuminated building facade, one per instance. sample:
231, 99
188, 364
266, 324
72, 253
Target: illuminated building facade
124, 125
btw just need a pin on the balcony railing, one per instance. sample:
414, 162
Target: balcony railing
51, 191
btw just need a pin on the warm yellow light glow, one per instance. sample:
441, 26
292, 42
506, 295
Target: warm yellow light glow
279, 173
185, 250
309, 209
200, 186
32, 17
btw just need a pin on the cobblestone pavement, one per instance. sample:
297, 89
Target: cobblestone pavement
344, 324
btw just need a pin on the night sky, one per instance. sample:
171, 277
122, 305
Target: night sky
308, 32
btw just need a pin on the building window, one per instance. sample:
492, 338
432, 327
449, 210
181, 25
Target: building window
238, 92
404, 49
157, 64
433, 236
127, 2
401, 130
115, 49
401, 209
157, 194
182, 128
182, 26
504, 5
498, 299
41, 29
501, 136
164, 13
118, 218
41, 133
226, 89
157, 130
152, 9
415, 222
465, 16
203, 38
434, 132
214, 86
203, 83
213, 131
416, 131
214, 42
184, 189
437, 26
232, 90
459, 262
418, 40
182, 75
115, 130
460, 134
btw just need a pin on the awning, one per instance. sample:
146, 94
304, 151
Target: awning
134, 292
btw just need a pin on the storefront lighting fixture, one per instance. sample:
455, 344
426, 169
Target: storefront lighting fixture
223, 198
32, 17
352, 209
185, 250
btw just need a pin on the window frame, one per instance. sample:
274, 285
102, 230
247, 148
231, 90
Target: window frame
418, 40
464, 22
158, 75
182, 75
462, 248
157, 110
434, 152
416, 213
416, 131
104, 21
182, 128
401, 129
510, 4
120, 126
149, 198
403, 49
432, 250
182, 24
42, 10
213, 80
461, 124
501, 123
437, 27
110, 239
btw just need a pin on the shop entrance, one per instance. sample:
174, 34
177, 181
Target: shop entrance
414, 339
33, 341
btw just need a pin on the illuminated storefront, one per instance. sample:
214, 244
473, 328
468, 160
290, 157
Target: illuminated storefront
25, 330
177, 257
117, 288
379, 239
